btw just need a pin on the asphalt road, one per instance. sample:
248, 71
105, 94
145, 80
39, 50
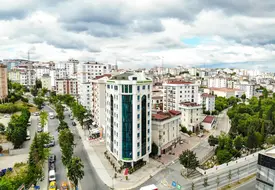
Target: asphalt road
60, 168
251, 185
90, 180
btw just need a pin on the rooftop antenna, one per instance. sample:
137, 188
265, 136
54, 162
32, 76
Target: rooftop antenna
116, 64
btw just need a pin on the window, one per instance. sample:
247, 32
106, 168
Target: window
138, 106
138, 135
138, 154
122, 88
148, 140
148, 96
126, 88
138, 144
148, 87
138, 98
108, 86
138, 125
148, 122
116, 88
148, 113
148, 148
148, 104
130, 88
143, 87
148, 130
138, 88
138, 116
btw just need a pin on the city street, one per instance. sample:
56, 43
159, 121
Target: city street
91, 179
60, 168
251, 185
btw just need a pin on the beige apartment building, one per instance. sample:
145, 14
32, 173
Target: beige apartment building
3, 82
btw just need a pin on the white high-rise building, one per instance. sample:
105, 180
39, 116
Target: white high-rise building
86, 72
217, 82
207, 101
249, 90
176, 92
128, 117
98, 101
69, 67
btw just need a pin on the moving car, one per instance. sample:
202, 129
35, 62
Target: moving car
36, 113
51, 114
52, 175
28, 136
73, 123
39, 129
52, 166
51, 144
64, 186
52, 185
52, 158
149, 187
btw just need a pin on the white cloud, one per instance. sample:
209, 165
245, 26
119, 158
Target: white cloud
137, 33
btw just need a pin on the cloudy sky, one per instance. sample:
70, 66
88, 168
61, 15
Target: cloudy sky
214, 33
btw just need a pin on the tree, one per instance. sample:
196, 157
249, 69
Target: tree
62, 125
66, 140
238, 142
43, 118
38, 84
265, 93
75, 170
155, 149
189, 160
39, 102
34, 91
252, 141
213, 140
243, 97
2, 128
44, 91
79, 112
223, 156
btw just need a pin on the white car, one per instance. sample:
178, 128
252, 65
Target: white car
52, 175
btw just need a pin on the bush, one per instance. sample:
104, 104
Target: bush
184, 130
10, 108
189, 132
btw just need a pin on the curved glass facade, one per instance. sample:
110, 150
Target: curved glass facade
143, 124
127, 127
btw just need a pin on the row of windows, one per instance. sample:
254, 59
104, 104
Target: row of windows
128, 88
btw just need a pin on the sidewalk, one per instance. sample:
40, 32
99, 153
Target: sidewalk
44, 184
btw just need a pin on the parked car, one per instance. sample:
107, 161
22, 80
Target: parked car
39, 129
73, 123
52, 166
52, 175
28, 136
52, 158
36, 113
51, 114
52, 185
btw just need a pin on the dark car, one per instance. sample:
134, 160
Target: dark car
51, 166
73, 123
52, 158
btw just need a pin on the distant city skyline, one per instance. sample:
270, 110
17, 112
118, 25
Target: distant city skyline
138, 34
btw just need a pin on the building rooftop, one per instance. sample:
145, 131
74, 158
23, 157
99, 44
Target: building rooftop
190, 104
179, 82
224, 89
101, 76
208, 119
161, 116
205, 95
126, 75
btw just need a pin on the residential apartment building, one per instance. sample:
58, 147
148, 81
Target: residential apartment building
165, 130
128, 117
191, 115
67, 68
224, 92
23, 76
46, 82
98, 101
207, 101
157, 99
3, 82
217, 82
249, 90
265, 178
66, 86
40, 71
86, 72
176, 92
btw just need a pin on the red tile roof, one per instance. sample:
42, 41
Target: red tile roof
101, 76
190, 104
179, 82
208, 119
161, 116
207, 95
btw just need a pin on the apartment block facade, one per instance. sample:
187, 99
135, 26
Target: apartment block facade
66, 86
3, 82
176, 92
128, 117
